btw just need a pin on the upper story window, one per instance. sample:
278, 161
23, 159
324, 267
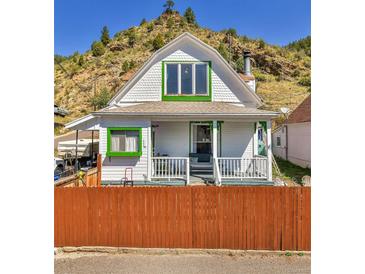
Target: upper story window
187, 79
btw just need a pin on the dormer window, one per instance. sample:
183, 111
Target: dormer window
186, 81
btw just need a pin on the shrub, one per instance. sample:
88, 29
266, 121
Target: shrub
232, 32
183, 23
75, 57
143, 22
132, 38
158, 42
125, 66
101, 99
105, 39
97, 48
296, 73
239, 64
132, 64
150, 27
170, 22
305, 81
59, 58
244, 39
223, 51
261, 43
81, 60
190, 16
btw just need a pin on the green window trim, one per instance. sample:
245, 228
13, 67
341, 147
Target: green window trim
187, 98
110, 153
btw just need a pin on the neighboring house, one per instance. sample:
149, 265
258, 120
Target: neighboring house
292, 140
185, 111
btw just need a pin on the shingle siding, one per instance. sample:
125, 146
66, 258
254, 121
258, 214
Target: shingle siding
148, 88
237, 139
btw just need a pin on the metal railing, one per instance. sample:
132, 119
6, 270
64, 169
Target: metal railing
171, 168
240, 168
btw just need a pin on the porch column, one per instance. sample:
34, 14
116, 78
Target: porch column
255, 139
215, 147
215, 139
269, 151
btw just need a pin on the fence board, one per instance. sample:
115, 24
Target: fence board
272, 218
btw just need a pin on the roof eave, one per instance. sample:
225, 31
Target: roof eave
271, 115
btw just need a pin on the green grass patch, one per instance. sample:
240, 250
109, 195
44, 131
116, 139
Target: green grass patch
291, 171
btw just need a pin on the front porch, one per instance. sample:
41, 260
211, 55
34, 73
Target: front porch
208, 152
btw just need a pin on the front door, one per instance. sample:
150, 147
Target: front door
201, 138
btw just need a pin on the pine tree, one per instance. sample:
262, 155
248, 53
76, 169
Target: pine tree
105, 39
97, 48
190, 16
169, 5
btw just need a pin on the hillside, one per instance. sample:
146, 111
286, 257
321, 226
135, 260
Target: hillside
282, 73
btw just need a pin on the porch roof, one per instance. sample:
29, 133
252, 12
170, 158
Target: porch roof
186, 108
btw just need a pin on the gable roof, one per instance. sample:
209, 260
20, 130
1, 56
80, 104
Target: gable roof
180, 38
302, 113
161, 108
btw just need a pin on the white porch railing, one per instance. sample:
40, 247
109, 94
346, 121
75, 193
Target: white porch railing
171, 168
240, 168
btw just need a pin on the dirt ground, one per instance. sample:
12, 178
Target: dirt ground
93, 263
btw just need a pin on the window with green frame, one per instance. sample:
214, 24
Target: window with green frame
186, 81
124, 141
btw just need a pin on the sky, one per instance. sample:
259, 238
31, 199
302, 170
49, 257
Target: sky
79, 22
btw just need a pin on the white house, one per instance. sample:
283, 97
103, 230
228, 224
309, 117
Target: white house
292, 140
185, 111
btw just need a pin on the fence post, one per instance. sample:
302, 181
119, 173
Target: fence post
98, 166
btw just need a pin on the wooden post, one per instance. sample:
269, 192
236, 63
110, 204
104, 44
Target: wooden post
98, 166
92, 148
76, 149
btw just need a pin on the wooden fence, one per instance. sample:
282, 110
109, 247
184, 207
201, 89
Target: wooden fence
90, 179
249, 218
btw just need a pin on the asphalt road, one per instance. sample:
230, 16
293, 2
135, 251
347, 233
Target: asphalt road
132, 263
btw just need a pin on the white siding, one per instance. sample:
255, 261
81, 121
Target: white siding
299, 144
279, 151
172, 138
113, 168
237, 139
148, 87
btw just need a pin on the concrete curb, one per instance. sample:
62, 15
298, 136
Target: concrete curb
175, 251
